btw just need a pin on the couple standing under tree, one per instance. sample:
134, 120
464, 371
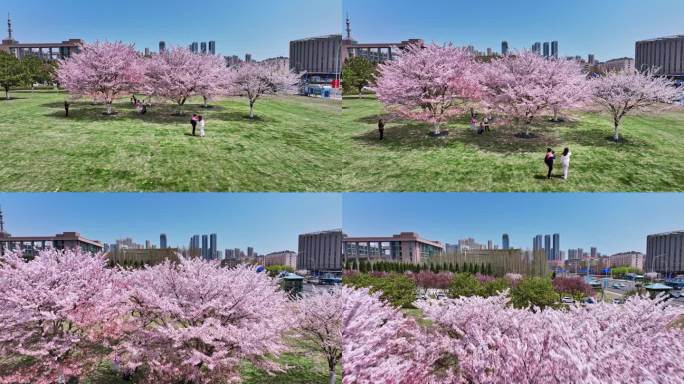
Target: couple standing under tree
565, 161
197, 120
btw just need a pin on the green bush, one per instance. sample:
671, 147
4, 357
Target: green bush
397, 289
534, 291
494, 287
274, 270
465, 284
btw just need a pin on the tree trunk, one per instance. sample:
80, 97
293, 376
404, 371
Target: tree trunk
180, 109
331, 377
616, 135
7, 95
109, 107
360, 93
206, 105
555, 114
251, 109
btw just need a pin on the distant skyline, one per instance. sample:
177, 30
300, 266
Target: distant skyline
268, 222
263, 28
608, 29
612, 222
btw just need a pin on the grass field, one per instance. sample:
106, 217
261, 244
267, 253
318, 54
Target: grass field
649, 158
293, 144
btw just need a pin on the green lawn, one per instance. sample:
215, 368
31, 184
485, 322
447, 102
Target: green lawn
292, 145
649, 158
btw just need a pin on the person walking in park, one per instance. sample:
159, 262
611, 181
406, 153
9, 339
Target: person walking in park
548, 160
193, 122
381, 129
487, 119
473, 123
482, 128
201, 122
565, 162
66, 108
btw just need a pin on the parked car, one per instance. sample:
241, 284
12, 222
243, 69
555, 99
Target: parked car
588, 300
567, 300
616, 301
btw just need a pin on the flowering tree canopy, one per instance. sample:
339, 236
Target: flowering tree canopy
601, 343
57, 312
197, 322
518, 86
380, 345
102, 71
574, 286
625, 92
567, 84
215, 75
428, 280
253, 80
178, 74
319, 325
431, 84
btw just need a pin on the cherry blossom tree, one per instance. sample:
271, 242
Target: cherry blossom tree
178, 74
58, 313
567, 84
602, 343
197, 322
380, 345
102, 71
430, 280
430, 84
624, 92
574, 286
254, 80
319, 326
216, 78
518, 86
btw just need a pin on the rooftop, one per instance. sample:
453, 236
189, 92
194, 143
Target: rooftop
675, 37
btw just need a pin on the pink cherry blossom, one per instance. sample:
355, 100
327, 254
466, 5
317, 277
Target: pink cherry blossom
198, 322
622, 93
59, 314
102, 71
430, 84
254, 80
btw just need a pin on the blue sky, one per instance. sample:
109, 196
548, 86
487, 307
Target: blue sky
607, 28
261, 27
268, 222
612, 222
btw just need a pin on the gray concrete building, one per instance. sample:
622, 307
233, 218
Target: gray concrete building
666, 54
664, 253
317, 57
31, 245
320, 251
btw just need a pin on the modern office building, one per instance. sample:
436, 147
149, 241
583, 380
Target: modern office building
286, 258
664, 253
162, 241
505, 242
504, 48
556, 247
548, 248
205, 247
618, 65
44, 51
320, 251
213, 248
591, 59
536, 48
212, 47
537, 244
248, 57
203, 48
632, 259
317, 58
194, 47
593, 252
547, 49
406, 247
250, 252
490, 244
30, 245
554, 49
665, 54
162, 46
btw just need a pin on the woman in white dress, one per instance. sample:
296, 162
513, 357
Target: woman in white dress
565, 162
200, 121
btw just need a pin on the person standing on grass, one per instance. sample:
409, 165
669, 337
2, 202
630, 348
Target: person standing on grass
473, 123
565, 162
193, 122
66, 108
381, 129
548, 160
200, 120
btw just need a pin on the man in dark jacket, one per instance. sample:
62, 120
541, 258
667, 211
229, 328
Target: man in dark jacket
381, 128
